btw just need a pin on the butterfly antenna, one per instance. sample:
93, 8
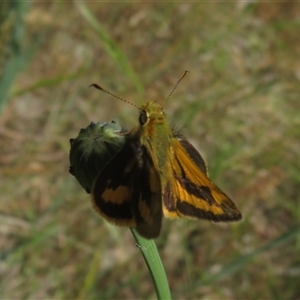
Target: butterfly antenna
174, 88
98, 87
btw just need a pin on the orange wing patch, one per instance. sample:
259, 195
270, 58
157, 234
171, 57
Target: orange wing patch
192, 194
112, 194
127, 192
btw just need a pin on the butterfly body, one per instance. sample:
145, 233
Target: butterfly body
158, 173
156, 136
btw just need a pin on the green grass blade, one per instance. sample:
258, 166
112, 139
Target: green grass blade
19, 55
90, 277
241, 261
50, 82
15, 56
111, 47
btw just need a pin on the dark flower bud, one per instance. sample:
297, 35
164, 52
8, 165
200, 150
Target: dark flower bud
93, 149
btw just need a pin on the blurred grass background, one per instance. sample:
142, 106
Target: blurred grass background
239, 105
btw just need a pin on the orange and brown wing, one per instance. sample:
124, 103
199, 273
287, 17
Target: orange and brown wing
113, 189
191, 193
147, 198
127, 192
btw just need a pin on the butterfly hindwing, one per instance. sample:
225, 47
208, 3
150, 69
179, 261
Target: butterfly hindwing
113, 188
127, 192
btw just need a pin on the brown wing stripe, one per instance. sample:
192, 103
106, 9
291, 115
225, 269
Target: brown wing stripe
198, 191
192, 211
114, 211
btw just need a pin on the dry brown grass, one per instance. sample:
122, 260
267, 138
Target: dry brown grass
239, 106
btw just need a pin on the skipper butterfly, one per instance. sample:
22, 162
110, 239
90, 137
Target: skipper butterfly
157, 172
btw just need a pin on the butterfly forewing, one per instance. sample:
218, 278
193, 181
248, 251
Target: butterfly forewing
195, 195
148, 208
193, 153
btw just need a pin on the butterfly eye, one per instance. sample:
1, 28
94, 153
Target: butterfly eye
143, 117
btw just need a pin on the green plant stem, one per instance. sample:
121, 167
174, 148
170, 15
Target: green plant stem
151, 256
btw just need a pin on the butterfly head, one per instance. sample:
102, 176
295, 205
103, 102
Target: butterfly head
151, 112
